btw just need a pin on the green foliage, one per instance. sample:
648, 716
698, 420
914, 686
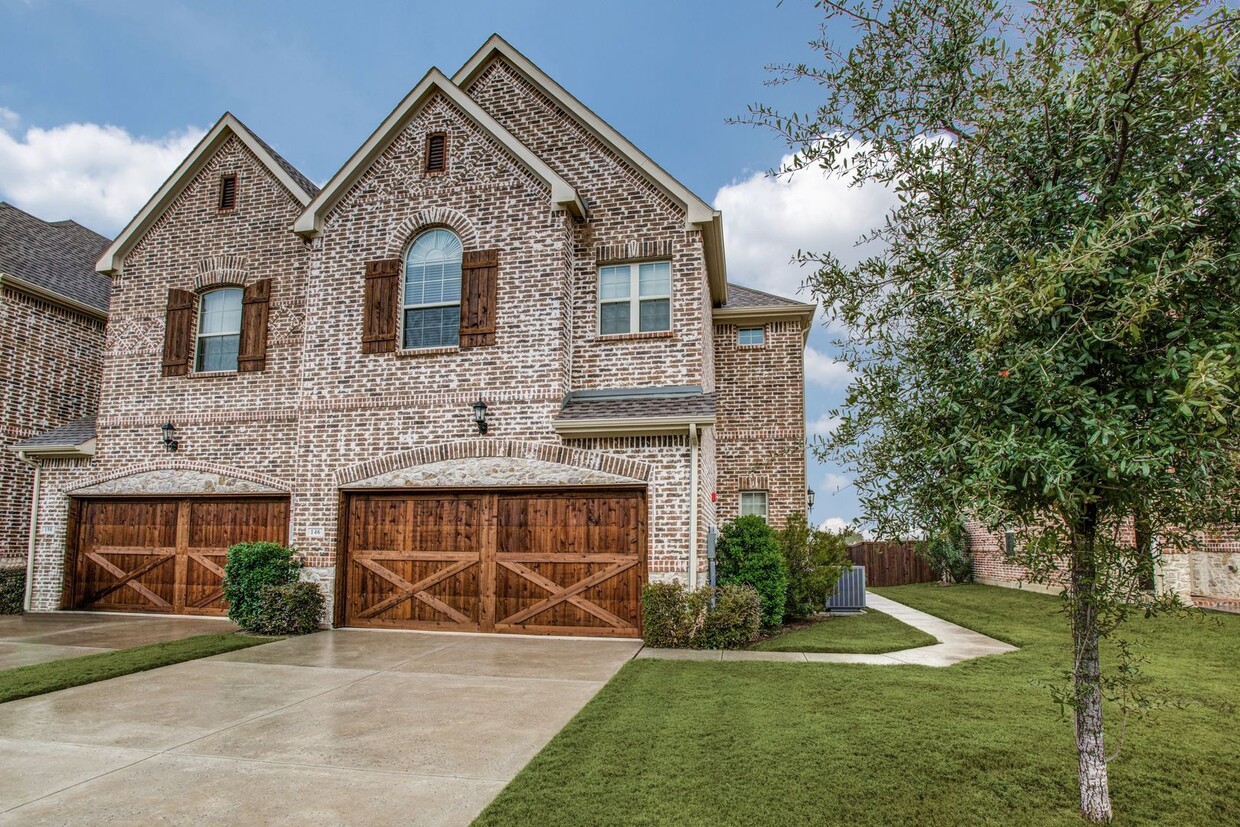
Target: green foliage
948, 555
673, 618
748, 552
292, 609
249, 570
12, 590
816, 560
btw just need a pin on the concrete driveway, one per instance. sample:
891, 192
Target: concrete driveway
36, 638
343, 727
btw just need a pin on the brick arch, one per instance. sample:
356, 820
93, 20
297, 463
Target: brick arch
398, 239
187, 465
222, 271
480, 448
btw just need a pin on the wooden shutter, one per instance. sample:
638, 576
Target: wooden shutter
252, 350
479, 274
382, 311
179, 332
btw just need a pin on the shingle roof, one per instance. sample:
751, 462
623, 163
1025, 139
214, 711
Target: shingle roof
294, 173
741, 296
74, 433
627, 404
58, 256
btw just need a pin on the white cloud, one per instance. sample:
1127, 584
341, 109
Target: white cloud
769, 219
833, 483
822, 369
823, 425
836, 525
97, 175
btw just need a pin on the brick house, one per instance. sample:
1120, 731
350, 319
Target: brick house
53, 308
491, 376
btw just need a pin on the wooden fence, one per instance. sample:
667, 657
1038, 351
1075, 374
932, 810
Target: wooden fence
891, 564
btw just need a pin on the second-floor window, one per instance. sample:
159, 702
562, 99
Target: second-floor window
635, 298
751, 336
753, 502
432, 303
219, 330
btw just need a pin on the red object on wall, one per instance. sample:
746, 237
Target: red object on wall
714, 496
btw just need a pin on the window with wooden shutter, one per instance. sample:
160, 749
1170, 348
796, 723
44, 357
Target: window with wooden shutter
382, 310
252, 352
228, 192
436, 152
179, 332
479, 277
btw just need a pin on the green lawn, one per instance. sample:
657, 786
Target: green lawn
751, 743
25, 681
871, 633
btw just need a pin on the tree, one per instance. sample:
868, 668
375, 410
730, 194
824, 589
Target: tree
748, 553
816, 559
1048, 339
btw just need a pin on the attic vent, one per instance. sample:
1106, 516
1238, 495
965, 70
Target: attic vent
228, 192
436, 152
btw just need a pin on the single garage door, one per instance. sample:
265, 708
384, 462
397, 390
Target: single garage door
561, 562
162, 555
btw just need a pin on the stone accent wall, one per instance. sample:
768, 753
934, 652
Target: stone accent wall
49, 375
760, 419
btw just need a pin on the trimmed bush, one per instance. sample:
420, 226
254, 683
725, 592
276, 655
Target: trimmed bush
293, 609
250, 569
12, 590
748, 553
733, 622
948, 555
665, 616
816, 561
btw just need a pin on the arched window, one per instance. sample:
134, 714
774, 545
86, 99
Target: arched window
219, 329
432, 302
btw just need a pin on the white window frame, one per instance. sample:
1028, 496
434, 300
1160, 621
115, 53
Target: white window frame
199, 335
761, 332
635, 298
405, 307
766, 504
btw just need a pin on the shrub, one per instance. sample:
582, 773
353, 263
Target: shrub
733, 622
292, 609
251, 568
948, 555
673, 618
816, 561
12, 590
748, 552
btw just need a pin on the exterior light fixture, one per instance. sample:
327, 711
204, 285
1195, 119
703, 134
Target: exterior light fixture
170, 440
809, 498
480, 416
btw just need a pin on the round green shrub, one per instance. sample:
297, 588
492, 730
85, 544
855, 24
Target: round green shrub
292, 609
734, 620
816, 561
748, 553
251, 568
12, 590
948, 555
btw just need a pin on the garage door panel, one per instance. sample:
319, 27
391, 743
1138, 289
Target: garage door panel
386, 590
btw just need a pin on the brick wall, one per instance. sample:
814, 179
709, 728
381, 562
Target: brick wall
49, 375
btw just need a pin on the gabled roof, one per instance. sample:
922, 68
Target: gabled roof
298, 185
698, 214
310, 222
55, 257
76, 438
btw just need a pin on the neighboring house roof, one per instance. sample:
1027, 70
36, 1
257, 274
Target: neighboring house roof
55, 257
748, 305
228, 126
76, 438
310, 222
634, 411
698, 214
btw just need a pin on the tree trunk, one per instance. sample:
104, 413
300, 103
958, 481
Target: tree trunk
1086, 673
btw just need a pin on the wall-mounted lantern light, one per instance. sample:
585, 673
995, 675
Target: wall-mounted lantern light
480, 416
809, 498
170, 440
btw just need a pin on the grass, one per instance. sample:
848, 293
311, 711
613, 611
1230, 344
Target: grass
38, 678
871, 633
979, 743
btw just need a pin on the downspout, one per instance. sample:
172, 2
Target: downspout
693, 505
34, 528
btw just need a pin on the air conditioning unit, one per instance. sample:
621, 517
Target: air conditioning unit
849, 594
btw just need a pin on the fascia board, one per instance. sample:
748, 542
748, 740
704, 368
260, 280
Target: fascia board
23, 286
633, 426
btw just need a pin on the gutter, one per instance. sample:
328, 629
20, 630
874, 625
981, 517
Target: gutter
630, 426
22, 286
693, 505
34, 524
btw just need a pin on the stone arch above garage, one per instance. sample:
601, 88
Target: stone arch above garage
181, 477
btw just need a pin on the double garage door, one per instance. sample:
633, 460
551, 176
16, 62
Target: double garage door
556, 562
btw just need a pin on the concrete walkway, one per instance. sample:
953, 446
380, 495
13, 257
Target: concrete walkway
342, 727
956, 644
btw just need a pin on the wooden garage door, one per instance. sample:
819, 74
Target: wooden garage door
534, 563
162, 555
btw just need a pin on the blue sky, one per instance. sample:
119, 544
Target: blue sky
100, 100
